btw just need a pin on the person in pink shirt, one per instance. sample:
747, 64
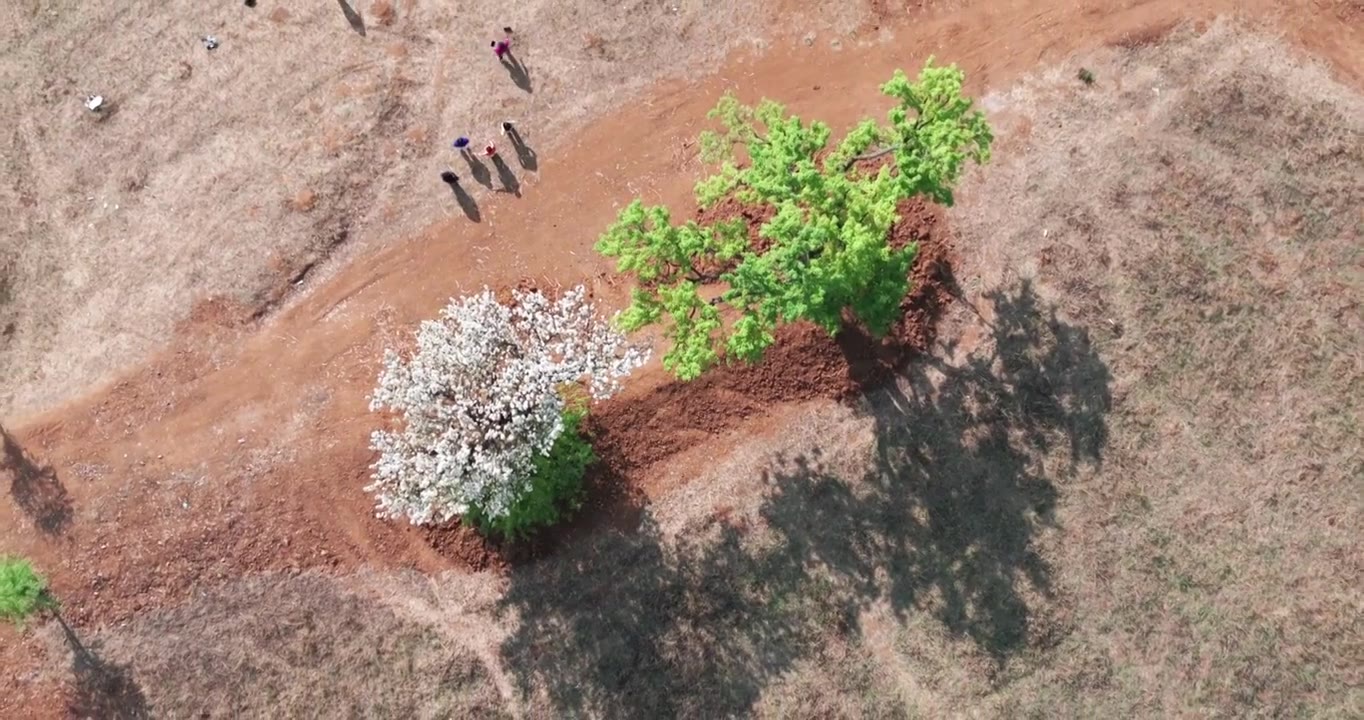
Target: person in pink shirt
502, 48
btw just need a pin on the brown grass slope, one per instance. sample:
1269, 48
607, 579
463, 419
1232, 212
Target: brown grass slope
1200, 210
303, 646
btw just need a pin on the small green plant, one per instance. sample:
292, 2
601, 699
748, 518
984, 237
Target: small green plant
555, 489
1086, 76
825, 255
23, 592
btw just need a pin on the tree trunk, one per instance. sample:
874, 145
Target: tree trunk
870, 155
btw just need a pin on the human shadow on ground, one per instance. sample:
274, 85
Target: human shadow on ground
102, 689
941, 525
36, 489
481, 174
357, 23
518, 72
506, 176
466, 203
524, 153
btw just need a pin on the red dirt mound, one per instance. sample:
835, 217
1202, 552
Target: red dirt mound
632, 432
731, 209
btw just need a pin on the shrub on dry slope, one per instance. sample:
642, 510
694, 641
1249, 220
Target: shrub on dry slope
23, 592
488, 432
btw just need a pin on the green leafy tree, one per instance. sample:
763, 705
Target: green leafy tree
556, 486
825, 255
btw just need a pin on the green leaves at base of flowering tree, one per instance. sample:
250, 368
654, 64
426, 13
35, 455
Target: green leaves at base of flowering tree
825, 254
555, 487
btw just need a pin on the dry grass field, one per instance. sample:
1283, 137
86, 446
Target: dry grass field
1127, 483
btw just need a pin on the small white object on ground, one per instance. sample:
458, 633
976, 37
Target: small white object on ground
94, 102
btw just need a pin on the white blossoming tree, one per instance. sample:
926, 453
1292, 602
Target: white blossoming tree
485, 418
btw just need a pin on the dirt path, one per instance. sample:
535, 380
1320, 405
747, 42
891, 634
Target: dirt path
243, 447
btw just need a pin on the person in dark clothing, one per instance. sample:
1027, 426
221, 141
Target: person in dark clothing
449, 178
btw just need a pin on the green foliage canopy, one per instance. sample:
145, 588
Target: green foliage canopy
826, 251
23, 591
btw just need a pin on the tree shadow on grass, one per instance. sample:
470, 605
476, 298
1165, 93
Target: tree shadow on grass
102, 689
35, 488
966, 458
942, 525
105, 690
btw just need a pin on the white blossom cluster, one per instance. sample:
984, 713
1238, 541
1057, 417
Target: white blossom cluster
481, 397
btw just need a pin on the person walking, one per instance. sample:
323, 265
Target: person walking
502, 48
490, 150
462, 144
507, 128
449, 178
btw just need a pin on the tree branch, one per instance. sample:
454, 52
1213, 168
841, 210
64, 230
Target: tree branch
871, 155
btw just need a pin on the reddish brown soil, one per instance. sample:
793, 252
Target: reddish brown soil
242, 447
730, 209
